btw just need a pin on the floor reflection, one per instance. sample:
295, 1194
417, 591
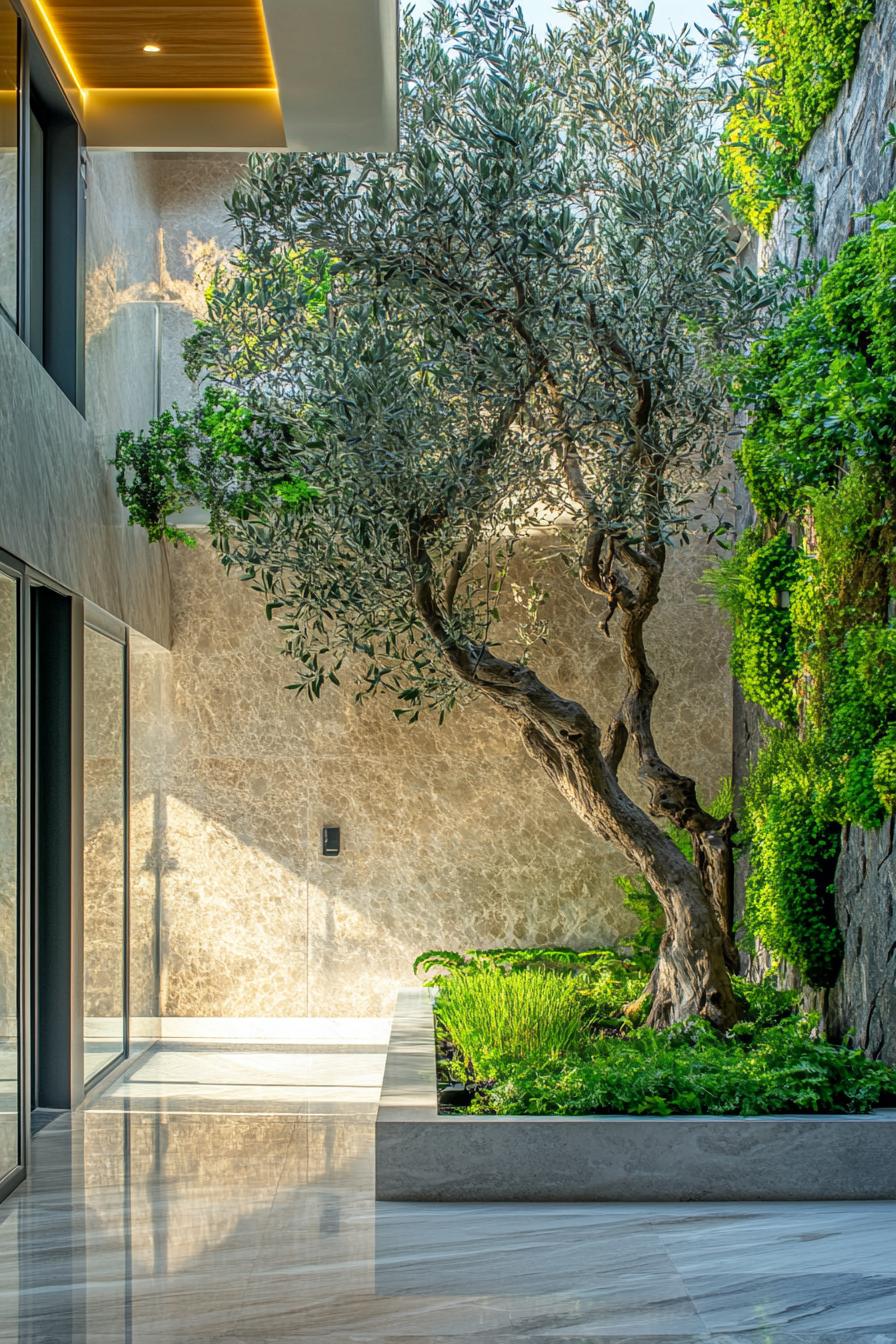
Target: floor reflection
226, 1195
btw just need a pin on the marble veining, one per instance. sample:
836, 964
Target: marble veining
201, 1221
452, 836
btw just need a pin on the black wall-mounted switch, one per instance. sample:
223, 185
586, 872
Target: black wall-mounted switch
330, 841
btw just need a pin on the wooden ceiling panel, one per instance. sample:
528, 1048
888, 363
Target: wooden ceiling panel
204, 44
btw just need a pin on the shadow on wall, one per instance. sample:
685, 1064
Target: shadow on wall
451, 836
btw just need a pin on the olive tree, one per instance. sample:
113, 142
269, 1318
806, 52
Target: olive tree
509, 327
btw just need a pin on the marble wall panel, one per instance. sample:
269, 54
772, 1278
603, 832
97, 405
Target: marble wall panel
8, 230
451, 836
9, 60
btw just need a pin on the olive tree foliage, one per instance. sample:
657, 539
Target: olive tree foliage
524, 309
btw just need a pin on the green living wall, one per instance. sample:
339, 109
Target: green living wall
810, 590
805, 50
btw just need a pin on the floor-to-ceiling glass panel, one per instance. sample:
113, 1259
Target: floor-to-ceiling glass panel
9, 875
148, 692
104, 851
9, 137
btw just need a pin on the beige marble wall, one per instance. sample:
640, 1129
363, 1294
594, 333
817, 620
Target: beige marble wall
451, 836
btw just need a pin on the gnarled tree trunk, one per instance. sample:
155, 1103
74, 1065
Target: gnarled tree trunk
691, 976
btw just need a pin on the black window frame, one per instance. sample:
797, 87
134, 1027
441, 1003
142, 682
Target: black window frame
5, 315
50, 288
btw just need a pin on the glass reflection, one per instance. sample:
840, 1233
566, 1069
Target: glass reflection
147, 689
104, 852
9, 76
9, 876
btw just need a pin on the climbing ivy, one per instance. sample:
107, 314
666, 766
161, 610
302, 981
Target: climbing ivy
754, 585
804, 51
810, 590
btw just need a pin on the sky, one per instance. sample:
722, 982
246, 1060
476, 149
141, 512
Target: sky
669, 13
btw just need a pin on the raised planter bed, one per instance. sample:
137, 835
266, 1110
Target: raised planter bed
421, 1155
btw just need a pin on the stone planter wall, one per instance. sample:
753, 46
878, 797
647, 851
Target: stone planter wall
421, 1155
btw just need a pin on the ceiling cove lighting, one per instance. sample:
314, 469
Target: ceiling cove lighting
58, 43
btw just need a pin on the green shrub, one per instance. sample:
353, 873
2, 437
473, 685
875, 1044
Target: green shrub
692, 1070
818, 460
535, 1044
494, 1017
639, 897
764, 1002
821, 388
612, 994
805, 51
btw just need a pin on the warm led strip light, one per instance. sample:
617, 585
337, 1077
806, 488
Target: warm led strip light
58, 43
151, 48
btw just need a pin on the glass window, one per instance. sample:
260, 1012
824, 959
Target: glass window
105, 925
9, 156
9, 876
147, 689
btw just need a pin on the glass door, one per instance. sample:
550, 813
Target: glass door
105, 853
11, 1155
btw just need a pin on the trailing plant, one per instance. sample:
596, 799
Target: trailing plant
810, 589
793, 846
754, 586
804, 51
230, 453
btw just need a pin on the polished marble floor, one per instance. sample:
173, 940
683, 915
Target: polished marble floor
226, 1195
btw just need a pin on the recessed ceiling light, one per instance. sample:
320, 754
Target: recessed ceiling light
151, 48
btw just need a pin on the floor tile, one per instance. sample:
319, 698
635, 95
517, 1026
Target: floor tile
225, 1196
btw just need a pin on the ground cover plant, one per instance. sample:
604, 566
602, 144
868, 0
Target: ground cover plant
803, 51
517, 1038
811, 590
508, 329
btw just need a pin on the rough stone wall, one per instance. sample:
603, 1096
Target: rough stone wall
844, 160
862, 1004
848, 171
